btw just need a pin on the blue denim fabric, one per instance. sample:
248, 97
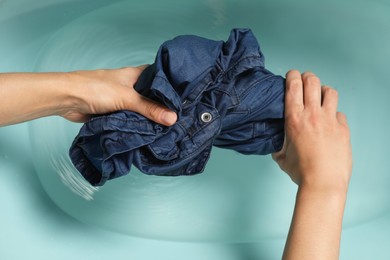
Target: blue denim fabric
222, 94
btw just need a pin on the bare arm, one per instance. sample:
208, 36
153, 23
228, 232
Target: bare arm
75, 95
317, 156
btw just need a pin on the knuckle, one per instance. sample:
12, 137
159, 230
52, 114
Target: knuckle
333, 92
342, 116
294, 84
152, 110
127, 70
100, 72
293, 120
313, 119
329, 90
293, 71
312, 79
307, 73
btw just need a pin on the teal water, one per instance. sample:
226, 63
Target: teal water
245, 201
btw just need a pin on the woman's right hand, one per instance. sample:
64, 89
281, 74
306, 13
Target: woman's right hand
317, 147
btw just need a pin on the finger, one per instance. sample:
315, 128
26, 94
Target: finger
329, 99
294, 93
153, 110
311, 90
342, 118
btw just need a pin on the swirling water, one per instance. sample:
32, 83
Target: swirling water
238, 198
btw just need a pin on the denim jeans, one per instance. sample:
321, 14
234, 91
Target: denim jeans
222, 94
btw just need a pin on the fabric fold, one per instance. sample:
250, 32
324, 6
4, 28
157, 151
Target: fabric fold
222, 94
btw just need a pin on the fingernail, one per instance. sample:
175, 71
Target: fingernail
169, 118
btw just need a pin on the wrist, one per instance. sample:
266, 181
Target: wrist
317, 223
327, 191
72, 96
326, 180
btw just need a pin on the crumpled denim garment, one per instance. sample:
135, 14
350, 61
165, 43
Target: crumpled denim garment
222, 94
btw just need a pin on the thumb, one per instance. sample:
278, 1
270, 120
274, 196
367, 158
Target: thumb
154, 111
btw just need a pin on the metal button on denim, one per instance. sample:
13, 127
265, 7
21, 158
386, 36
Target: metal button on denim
206, 117
222, 94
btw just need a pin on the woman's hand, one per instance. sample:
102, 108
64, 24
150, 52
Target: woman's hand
104, 91
317, 149
317, 156
75, 95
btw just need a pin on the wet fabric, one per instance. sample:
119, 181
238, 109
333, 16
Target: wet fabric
222, 94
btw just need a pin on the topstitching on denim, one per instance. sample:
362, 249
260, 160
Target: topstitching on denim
223, 96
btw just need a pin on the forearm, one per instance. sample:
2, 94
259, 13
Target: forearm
27, 96
316, 226
76, 95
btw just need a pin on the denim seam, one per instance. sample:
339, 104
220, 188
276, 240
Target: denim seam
235, 64
255, 83
172, 162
